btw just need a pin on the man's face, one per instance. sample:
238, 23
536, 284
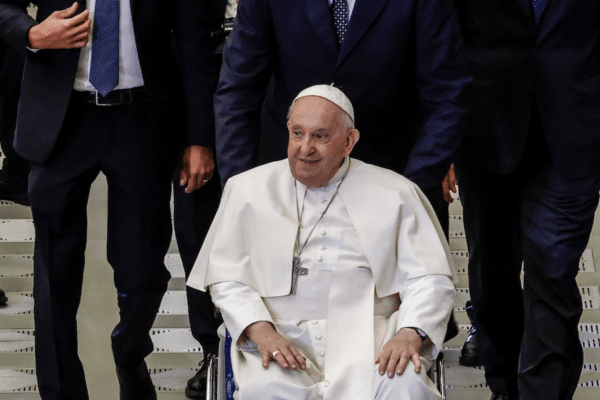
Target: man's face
319, 140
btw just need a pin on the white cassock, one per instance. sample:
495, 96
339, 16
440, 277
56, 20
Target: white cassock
377, 243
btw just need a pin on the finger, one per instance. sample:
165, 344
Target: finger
300, 359
289, 358
266, 358
453, 183
81, 37
78, 45
79, 19
446, 190
280, 358
205, 180
184, 175
416, 359
67, 12
193, 183
452, 174
81, 28
402, 364
392, 363
383, 360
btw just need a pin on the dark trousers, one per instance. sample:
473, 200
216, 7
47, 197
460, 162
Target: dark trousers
118, 142
528, 337
15, 169
193, 214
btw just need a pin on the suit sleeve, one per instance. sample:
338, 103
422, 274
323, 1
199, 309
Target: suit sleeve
245, 74
441, 78
15, 23
198, 68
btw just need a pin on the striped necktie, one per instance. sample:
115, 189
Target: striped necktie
538, 9
104, 68
339, 8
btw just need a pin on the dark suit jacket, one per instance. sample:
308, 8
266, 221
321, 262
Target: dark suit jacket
14, 167
176, 108
557, 63
400, 65
3, 50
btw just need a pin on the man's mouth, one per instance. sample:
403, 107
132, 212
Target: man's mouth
309, 161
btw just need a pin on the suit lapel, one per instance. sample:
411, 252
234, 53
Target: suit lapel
364, 14
526, 7
544, 12
320, 18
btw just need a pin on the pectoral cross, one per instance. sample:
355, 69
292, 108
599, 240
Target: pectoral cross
297, 270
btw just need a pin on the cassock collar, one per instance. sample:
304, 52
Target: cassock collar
340, 172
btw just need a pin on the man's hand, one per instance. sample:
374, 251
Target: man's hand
269, 341
449, 184
61, 30
396, 353
197, 167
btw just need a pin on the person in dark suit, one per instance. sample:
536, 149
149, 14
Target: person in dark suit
193, 212
15, 169
529, 176
109, 99
400, 63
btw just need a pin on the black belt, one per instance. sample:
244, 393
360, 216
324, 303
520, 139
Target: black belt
114, 98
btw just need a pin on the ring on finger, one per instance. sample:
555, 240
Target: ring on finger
205, 180
275, 353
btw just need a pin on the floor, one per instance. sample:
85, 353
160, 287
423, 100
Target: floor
176, 354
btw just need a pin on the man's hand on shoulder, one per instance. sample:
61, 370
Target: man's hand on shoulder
402, 348
61, 30
269, 342
197, 167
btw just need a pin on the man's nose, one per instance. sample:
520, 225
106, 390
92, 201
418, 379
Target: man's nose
308, 144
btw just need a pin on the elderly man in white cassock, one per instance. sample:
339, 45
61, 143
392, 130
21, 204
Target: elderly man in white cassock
332, 275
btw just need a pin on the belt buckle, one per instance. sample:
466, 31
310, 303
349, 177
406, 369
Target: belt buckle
101, 104
126, 96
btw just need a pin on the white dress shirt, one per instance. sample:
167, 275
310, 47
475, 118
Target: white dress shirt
231, 9
130, 72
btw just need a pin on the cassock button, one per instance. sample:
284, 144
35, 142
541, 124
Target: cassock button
319, 337
323, 247
323, 233
326, 383
322, 354
320, 259
315, 322
323, 200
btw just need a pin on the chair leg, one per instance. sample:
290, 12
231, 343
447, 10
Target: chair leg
211, 377
441, 375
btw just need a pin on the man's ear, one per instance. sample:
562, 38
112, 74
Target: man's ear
351, 140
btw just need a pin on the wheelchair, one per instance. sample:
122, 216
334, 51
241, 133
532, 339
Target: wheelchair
220, 384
